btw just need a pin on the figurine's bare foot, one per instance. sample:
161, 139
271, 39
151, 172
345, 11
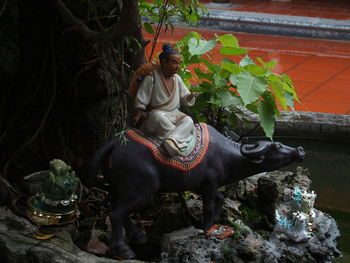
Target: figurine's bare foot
171, 147
121, 253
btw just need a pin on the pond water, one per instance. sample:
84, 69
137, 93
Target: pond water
329, 165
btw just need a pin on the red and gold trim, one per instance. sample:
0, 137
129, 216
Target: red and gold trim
180, 162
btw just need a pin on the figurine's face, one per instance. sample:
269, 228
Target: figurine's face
171, 66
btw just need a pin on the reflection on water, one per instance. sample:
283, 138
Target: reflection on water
329, 165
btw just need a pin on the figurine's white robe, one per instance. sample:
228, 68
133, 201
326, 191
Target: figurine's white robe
164, 119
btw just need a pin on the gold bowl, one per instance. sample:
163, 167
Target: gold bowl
45, 217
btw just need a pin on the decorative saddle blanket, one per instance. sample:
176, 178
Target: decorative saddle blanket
184, 161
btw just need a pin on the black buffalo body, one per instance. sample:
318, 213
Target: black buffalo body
135, 176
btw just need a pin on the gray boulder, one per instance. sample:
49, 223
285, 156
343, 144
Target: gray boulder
17, 244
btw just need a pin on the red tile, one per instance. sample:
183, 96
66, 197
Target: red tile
309, 75
253, 53
330, 59
288, 58
282, 68
333, 16
344, 74
334, 9
280, 12
340, 48
304, 87
336, 84
300, 50
321, 107
263, 44
243, 37
329, 96
322, 66
306, 13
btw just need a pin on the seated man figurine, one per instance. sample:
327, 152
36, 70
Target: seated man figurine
160, 97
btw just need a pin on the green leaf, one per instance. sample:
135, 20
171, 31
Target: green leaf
233, 68
227, 60
234, 79
232, 51
269, 65
211, 67
202, 100
253, 107
228, 40
249, 87
187, 74
190, 35
205, 86
224, 74
193, 17
288, 86
193, 60
289, 99
224, 98
256, 70
266, 111
204, 75
277, 85
219, 81
199, 47
246, 61
148, 27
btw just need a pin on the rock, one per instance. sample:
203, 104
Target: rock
4, 193
193, 246
17, 244
249, 248
263, 192
249, 243
195, 207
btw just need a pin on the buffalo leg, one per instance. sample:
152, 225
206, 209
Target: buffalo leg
118, 246
219, 201
136, 235
126, 205
208, 210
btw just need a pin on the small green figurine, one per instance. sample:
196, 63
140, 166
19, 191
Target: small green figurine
56, 203
61, 183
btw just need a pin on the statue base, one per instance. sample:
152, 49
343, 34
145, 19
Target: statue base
43, 216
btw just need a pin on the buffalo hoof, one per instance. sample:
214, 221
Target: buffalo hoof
121, 253
138, 238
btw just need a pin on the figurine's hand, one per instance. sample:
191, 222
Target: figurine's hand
192, 95
137, 117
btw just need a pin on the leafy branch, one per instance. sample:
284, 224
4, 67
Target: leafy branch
228, 86
163, 13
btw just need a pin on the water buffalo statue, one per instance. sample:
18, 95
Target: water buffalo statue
135, 176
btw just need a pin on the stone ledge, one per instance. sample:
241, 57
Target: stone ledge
261, 23
308, 124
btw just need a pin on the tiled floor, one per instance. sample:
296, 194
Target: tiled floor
320, 69
333, 9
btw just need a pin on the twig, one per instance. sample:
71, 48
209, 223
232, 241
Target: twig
8, 185
70, 19
3, 8
100, 17
159, 27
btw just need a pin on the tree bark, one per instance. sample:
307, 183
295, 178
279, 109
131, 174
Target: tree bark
70, 71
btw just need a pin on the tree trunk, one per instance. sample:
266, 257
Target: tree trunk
68, 65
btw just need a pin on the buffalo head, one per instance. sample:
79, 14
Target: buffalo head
272, 155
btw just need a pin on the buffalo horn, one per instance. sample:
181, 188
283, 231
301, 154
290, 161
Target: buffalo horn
253, 150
